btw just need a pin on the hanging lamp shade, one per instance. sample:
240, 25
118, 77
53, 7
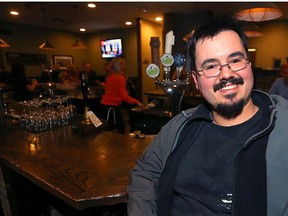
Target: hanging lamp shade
78, 44
46, 46
258, 12
252, 30
3, 44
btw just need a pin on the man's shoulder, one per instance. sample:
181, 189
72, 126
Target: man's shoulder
183, 116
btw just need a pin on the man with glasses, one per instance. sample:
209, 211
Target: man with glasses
228, 156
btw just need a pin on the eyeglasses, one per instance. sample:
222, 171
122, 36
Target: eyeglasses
214, 69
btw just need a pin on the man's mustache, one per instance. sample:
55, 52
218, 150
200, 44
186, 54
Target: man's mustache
232, 80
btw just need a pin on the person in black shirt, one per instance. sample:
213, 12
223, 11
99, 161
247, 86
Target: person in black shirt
24, 89
5, 78
90, 75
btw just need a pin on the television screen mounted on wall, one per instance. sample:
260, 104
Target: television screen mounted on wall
111, 48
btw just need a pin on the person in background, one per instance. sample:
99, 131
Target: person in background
64, 77
227, 156
280, 85
115, 94
73, 73
55, 73
90, 75
5, 80
107, 69
69, 76
24, 89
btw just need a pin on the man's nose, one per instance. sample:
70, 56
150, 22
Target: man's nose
225, 72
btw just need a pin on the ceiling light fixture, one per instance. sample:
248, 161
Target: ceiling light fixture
252, 30
78, 44
91, 5
258, 12
46, 45
128, 23
3, 44
14, 13
158, 19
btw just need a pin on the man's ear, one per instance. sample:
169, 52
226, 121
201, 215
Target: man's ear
194, 75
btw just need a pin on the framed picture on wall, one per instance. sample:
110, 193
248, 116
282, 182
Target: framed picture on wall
63, 61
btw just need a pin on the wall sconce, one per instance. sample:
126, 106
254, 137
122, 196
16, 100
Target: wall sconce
258, 12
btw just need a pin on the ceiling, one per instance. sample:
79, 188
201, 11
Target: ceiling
109, 15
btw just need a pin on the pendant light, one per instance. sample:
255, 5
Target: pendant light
258, 12
78, 44
3, 44
251, 29
46, 45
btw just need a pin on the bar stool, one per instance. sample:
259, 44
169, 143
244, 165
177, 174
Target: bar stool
108, 114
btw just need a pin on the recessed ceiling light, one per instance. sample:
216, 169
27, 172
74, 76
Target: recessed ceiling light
128, 23
15, 13
82, 29
158, 19
91, 5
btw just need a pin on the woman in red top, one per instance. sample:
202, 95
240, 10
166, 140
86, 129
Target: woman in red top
115, 94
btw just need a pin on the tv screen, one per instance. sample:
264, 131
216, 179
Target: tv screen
111, 48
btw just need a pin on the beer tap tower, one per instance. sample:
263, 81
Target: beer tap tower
173, 88
84, 90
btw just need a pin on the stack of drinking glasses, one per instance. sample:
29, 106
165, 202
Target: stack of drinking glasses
43, 114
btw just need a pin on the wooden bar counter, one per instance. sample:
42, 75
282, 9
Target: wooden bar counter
83, 170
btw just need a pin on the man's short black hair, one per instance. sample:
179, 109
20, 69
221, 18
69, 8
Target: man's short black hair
211, 29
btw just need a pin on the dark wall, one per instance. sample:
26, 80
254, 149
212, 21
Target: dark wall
182, 24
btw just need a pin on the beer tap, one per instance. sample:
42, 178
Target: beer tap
173, 88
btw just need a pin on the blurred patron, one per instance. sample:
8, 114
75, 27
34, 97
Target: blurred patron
55, 73
69, 76
5, 80
90, 75
107, 69
115, 94
24, 89
280, 85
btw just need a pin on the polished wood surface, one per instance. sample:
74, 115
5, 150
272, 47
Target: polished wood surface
84, 170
